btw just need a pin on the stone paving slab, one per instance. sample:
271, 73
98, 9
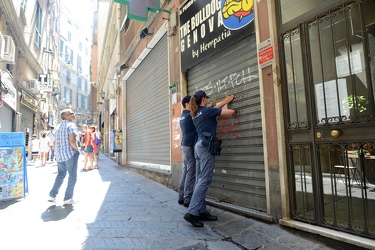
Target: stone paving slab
121, 209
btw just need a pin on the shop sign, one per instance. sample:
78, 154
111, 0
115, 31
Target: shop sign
45, 83
138, 9
209, 26
11, 97
29, 101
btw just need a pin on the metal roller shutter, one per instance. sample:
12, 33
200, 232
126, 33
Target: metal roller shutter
148, 133
6, 121
239, 171
27, 121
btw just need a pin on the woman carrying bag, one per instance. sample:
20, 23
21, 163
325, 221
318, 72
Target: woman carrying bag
95, 143
88, 149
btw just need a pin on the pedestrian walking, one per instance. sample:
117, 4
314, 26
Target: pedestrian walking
189, 137
67, 157
99, 136
44, 147
95, 145
204, 119
51, 136
88, 148
35, 144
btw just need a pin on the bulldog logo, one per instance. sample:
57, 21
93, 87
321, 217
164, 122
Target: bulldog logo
237, 13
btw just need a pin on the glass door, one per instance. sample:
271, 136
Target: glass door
329, 69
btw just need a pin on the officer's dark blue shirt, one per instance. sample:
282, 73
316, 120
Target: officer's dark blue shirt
189, 133
205, 120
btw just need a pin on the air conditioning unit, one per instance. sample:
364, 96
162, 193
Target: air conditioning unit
9, 50
2, 46
34, 85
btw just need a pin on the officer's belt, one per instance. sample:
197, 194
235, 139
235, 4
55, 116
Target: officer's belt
186, 144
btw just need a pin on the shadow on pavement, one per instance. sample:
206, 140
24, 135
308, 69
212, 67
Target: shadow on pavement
7, 203
56, 213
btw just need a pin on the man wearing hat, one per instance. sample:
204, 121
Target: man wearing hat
189, 136
51, 136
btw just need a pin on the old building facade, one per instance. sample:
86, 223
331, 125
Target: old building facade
297, 152
74, 59
29, 70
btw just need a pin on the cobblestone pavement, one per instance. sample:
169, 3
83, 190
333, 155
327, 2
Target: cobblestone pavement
120, 209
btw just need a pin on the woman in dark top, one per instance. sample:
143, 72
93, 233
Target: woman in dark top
204, 119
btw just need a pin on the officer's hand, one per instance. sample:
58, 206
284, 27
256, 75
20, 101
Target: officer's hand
229, 99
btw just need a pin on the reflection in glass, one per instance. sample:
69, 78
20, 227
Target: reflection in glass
338, 67
295, 80
348, 186
291, 9
304, 201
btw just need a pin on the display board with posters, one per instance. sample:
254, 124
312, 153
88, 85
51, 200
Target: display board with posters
13, 174
116, 141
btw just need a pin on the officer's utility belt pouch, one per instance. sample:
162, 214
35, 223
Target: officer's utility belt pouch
206, 139
213, 144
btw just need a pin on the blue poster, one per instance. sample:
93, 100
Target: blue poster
116, 141
13, 177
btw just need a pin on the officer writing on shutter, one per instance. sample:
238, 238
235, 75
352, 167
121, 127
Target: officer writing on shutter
189, 136
204, 119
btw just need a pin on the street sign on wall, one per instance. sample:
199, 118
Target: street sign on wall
265, 53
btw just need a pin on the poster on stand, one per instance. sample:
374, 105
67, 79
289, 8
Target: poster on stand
116, 141
13, 177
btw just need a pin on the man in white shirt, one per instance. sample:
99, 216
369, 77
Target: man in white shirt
51, 136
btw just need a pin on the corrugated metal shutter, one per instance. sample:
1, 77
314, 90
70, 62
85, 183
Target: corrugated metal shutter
27, 122
147, 103
6, 121
239, 171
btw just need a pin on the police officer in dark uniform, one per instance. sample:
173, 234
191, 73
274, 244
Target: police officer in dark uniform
189, 136
204, 119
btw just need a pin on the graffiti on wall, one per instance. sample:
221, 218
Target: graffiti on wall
228, 127
229, 81
176, 130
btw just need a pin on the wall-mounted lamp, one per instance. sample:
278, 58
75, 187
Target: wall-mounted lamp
124, 66
145, 33
48, 51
